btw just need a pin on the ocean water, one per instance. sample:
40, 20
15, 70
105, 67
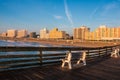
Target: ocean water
25, 44
22, 44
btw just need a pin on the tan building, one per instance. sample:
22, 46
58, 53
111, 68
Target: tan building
44, 34
56, 34
101, 33
107, 33
11, 33
21, 33
4, 34
81, 33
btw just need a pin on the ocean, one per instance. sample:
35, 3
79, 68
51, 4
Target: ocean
22, 44
25, 44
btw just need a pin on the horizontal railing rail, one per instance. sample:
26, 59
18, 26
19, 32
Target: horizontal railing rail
25, 57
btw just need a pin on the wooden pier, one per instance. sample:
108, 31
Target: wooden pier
45, 64
107, 69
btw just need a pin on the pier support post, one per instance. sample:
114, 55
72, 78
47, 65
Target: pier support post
40, 57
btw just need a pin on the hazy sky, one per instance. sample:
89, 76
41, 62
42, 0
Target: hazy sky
34, 15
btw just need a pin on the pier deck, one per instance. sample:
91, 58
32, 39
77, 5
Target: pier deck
108, 69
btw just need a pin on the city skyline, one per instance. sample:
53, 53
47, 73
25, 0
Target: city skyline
81, 33
34, 15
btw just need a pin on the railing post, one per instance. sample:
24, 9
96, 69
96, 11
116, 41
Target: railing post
111, 49
88, 53
40, 57
99, 52
106, 53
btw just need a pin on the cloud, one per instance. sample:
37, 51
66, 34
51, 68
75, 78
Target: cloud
94, 12
109, 8
67, 12
58, 17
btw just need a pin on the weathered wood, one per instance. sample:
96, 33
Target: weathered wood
40, 55
97, 70
23, 60
8, 49
23, 65
53, 58
18, 55
58, 54
18, 61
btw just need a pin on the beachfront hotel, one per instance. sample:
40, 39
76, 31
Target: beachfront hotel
107, 33
4, 34
44, 33
101, 33
22, 34
11, 33
56, 34
81, 33
53, 34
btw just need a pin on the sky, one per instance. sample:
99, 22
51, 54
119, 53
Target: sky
34, 15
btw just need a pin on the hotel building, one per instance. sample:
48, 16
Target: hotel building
101, 33
81, 33
44, 34
4, 34
22, 34
56, 34
107, 33
11, 33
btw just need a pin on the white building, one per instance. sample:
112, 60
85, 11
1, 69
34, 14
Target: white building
21, 33
11, 33
44, 34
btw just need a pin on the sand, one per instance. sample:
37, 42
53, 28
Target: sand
67, 42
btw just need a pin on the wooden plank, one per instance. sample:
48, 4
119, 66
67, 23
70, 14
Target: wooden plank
18, 55
53, 58
19, 66
8, 49
51, 62
23, 65
18, 61
93, 53
58, 54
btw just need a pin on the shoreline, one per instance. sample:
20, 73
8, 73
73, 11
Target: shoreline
66, 42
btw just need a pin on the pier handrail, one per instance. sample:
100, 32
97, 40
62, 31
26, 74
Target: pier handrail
18, 61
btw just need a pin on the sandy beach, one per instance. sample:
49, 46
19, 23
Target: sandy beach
72, 42
66, 42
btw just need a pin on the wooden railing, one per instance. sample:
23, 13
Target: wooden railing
25, 57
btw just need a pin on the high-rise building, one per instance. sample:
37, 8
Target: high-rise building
107, 33
101, 33
11, 33
44, 34
81, 33
4, 34
56, 34
21, 34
